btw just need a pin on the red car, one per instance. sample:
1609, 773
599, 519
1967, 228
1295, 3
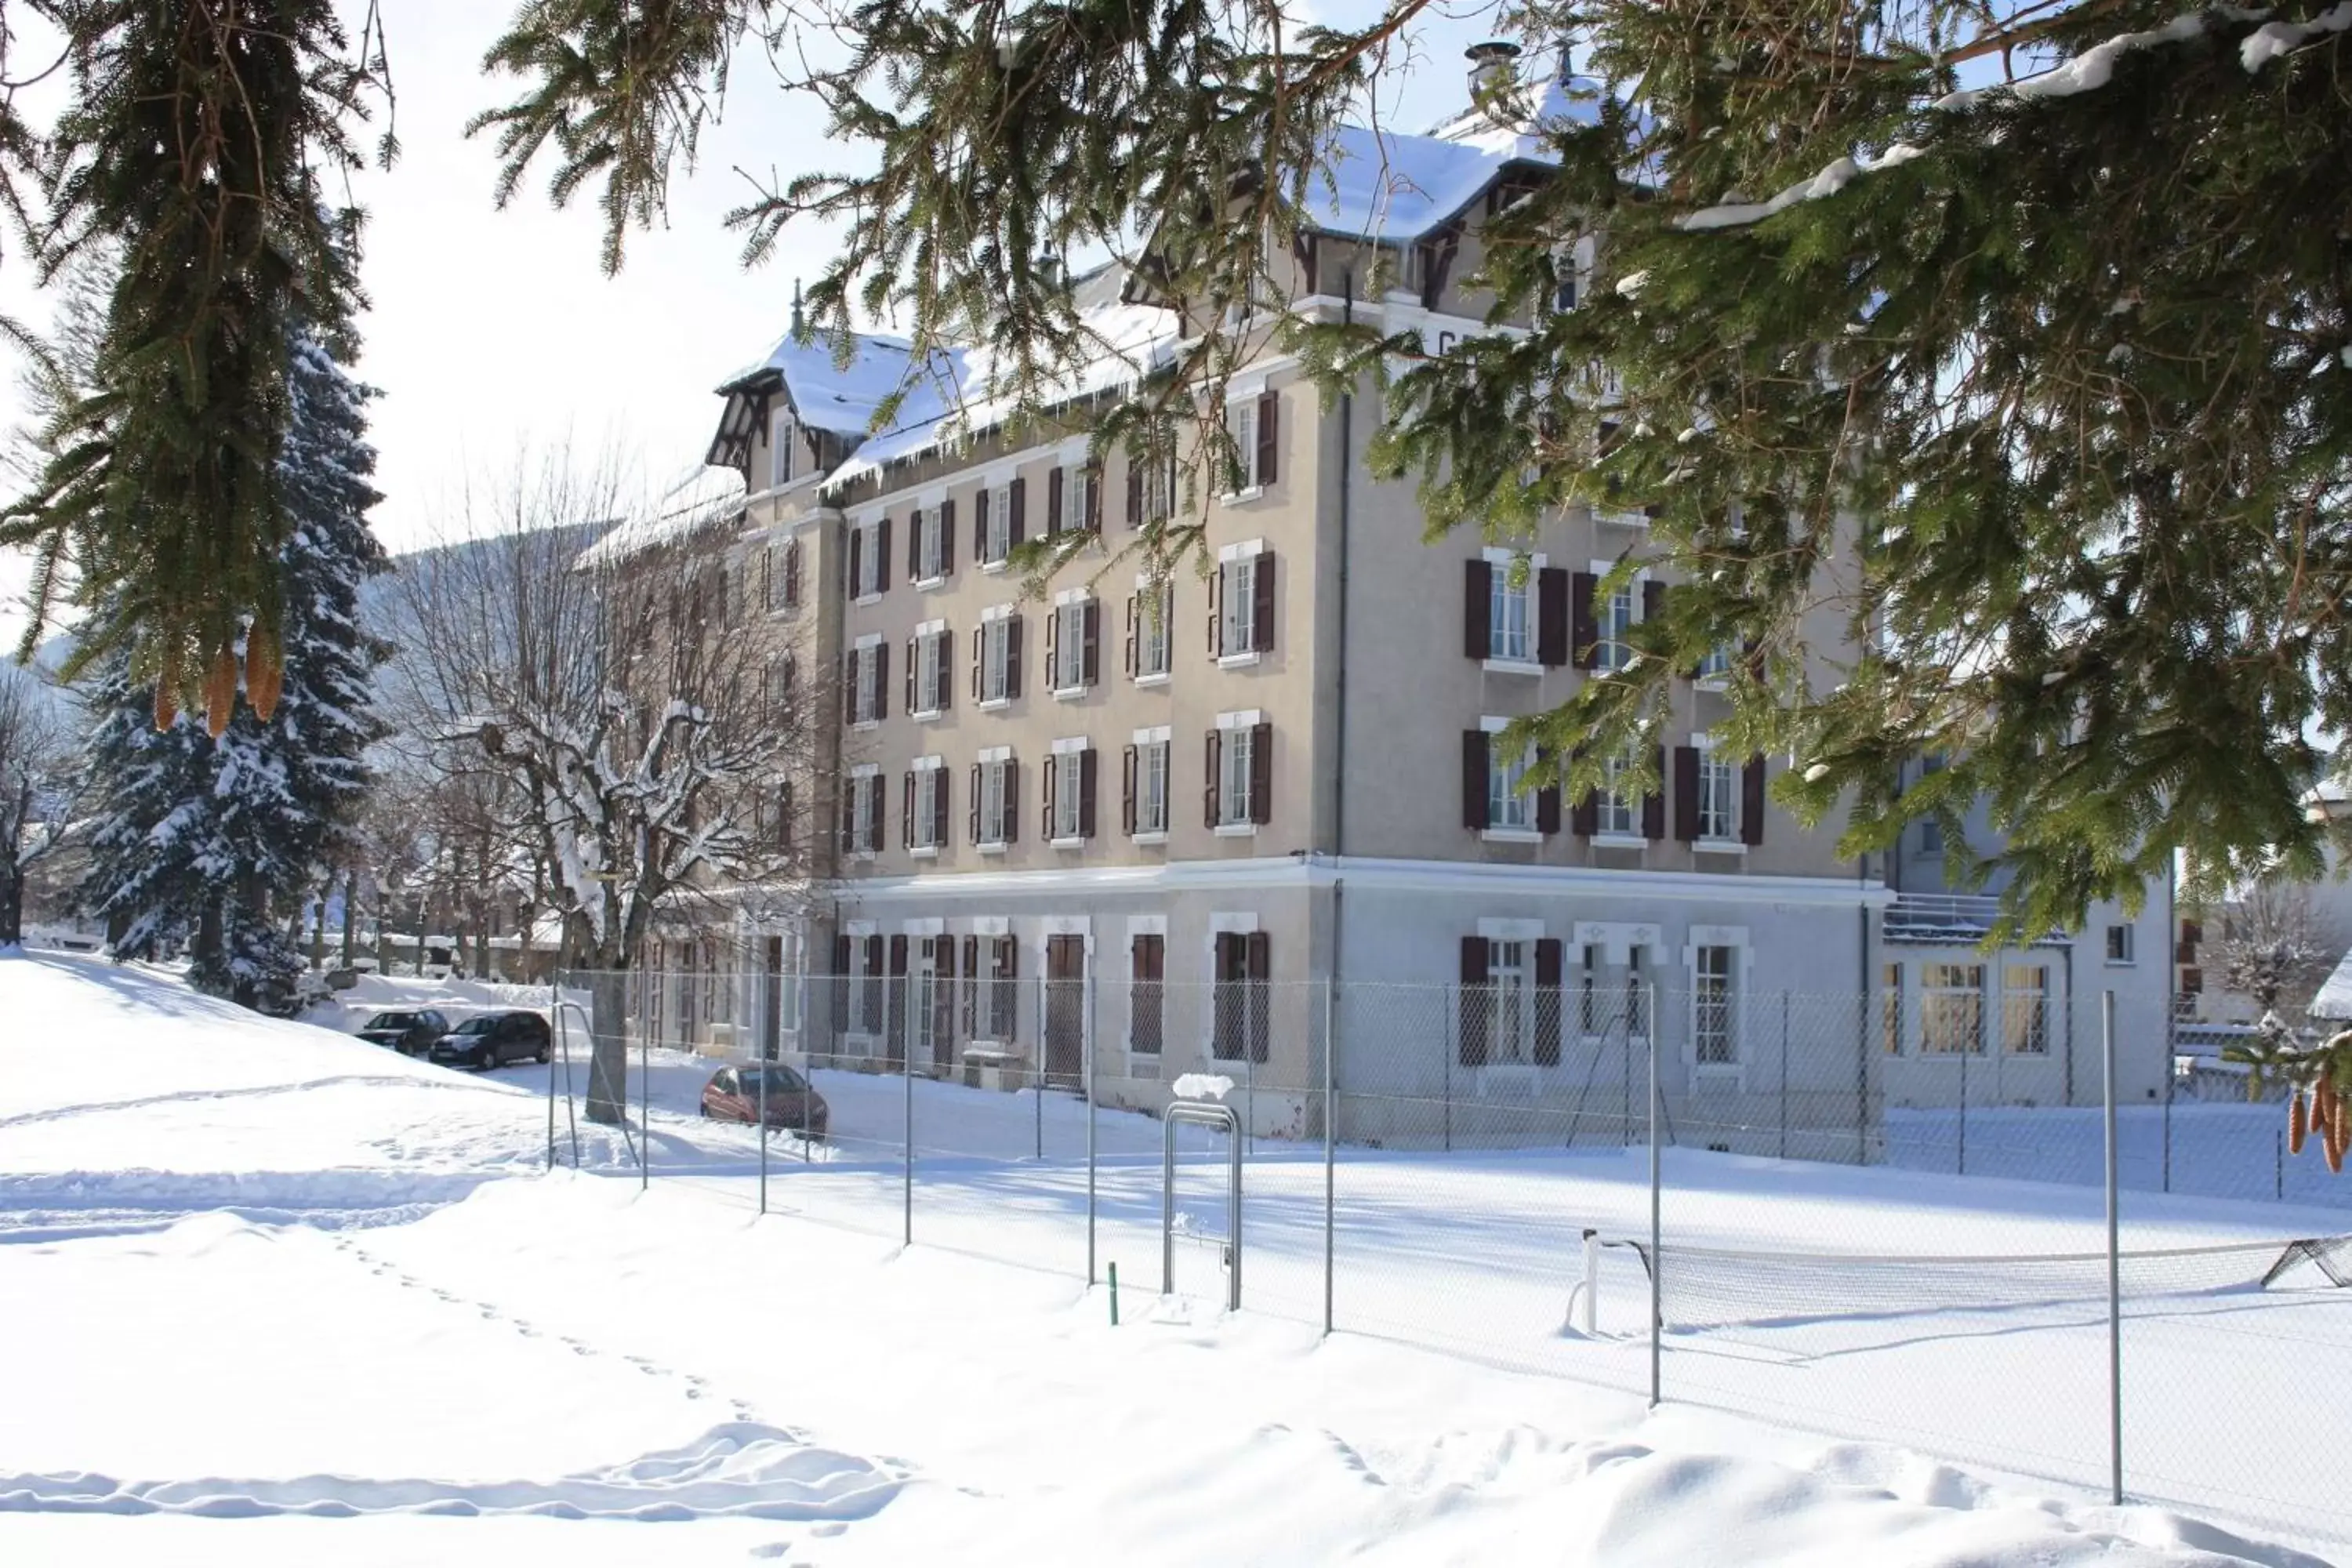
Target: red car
733, 1094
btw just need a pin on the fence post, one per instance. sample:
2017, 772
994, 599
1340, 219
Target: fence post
2114, 1256
1087, 1041
907, 1134
1657, 1258
1037, 1079
2278, 1166
1783, 1096
763, 1131
1330, 1132
2170, 1076
1965, 1054
1445, 1049
644, 1104
555, 1029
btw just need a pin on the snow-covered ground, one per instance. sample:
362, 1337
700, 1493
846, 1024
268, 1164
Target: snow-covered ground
275, 1296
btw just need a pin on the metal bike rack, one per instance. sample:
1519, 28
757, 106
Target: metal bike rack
1200, 1115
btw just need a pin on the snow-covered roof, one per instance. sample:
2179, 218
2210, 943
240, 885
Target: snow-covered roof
844, 399
1380, 184
1132, 341
699, 497
2334, 999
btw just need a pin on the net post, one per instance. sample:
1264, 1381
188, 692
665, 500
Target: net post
907, 1129
1331, 1135
1086, 1041
2114, 1257
555, 1027
1588, 1310
644, 1104
1658, 1260
763, 1128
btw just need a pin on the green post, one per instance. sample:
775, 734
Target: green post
1114, 1295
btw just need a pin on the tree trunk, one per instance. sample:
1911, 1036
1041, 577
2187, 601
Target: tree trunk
350, 913
12, 868
608, 1066
383, 931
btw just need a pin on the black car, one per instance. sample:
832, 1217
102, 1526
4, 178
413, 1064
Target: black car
494, 1039
411, 1034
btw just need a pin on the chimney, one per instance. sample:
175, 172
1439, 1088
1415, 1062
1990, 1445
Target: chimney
796, 307
1493, 70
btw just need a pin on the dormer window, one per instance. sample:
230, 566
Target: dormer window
782, 439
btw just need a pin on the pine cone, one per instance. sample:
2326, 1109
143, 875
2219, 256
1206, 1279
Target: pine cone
265, 673
220, 692
167, 705
2298, 1123
2342, 1123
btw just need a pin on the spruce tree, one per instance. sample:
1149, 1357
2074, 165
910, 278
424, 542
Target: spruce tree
210, 845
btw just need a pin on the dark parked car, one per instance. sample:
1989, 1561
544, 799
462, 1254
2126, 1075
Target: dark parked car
733, 1095
494, 1039
410, 1034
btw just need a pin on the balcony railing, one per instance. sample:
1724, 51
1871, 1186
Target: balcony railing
1948, 917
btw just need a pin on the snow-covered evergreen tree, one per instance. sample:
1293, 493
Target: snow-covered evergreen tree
211, 845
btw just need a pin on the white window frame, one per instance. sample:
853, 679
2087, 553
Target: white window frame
995, 656
864, 832
1720, 797
1894, 1015
1151, 763
994, 542
1153, 631
992, 761
1077, 476
1613, 650
1237, 566
1950, 992
868, 588
1241, 423
1714, 670
927, 678
1069, 777
867, 675
923, 836
1501, 595
2025, 1000
1510, 802
1235, 755
930, 552
780, 451
1714, 1005
1070, 643
1616, 813
2122, 954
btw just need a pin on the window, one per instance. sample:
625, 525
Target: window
1716, 665
1148, 642
1951, 1009
993, 1001
782, 575
1072, 641
1146, 995
1241, 623
1509, 1002
1151, 491
1069, 793
998, 677
1592, 1005
869, 1014
1890, 1009
863, 810
1147, 784
1510, 632
1931, 836
1616, 617
933, 528
1719, 797
1617, 810
927, 805
870, 558
1637, 993
780, 454
1240, 1022
783, 681
1712, 1031
927, 671
1255, 424
994, 822
786, 958
1510, 801
2119, 944
996, 522
2025, 1009
868, 669
1074, 499
1238, 778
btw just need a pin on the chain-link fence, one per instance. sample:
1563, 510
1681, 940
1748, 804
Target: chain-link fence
1755, 1202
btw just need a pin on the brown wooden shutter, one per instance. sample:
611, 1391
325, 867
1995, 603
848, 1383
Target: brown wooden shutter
971, 985
914, 660
1135, 492
1477, 754
979, 656
915, 545
1093, 522
947, 536
1087, 780
1583, 631
1013, 656
1751, 802
1053, 502
1548, 968
1584, 813
1051, 772
979, 526
882, 555
1127, 654
792, 576
1012, 824
907, 809
849, 714
1551, 616
856, 558
1090, 660
1127, 791
1269, 434
1262, 604
1017, 525
940, 808
878, 815
943, 668
849, 816
973, 814
1653, 806
1216, 603
1052, 647
1216, 756
1686, 793
1262, 774
1470, 1002
881, 681
1654, 599
1548, 809
1478, 608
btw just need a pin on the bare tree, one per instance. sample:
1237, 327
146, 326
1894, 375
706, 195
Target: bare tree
643, 741
39, 784
2274, 949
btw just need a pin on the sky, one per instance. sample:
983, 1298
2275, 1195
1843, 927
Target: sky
495, 334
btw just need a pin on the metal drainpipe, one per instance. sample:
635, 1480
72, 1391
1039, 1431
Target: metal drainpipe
1339, 744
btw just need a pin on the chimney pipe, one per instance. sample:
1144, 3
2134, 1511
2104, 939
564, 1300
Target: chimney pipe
1494, 70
